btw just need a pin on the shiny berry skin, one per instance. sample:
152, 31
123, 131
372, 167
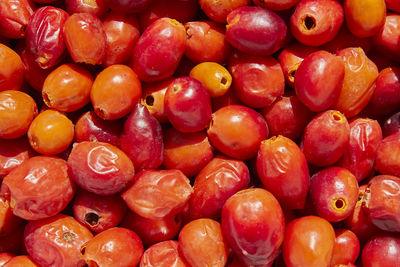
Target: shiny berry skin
113, 247
359, 156
202, 244
385, 40
51, 132
132, 6
5, 257
163, 254
391, 125
316, 22
17, 110
96, 7
187, 105
257, 81
39, 188
115, 92
276, 5
255, 30
253, 224
381, 250
89, 127
346, 249
12, 72
325, 138
142, 139
206, 42
153, 98
309, 241
217, 181
98, 213
158, 193
282, 168
219, 10
14, 16
381, 202
364, 19
8, 221
360, 74
62, 235
386, 160
290, 58
100, 168
153, 231
159, 50
13, 153
334, 192
318, 80
85, 38
67, 88
287, 116
237, 131
122, 32
187, 152
44, 36
385, 99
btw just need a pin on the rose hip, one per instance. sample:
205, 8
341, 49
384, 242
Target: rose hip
122, 32
34, 75
158, 193
316, 22
309, 241
359, 156
255, 30
38, 188
237, 131
319, 79
51, 132
153, 231
291, 57
21, 260
44, 36
219, 10
115, 92
206, 42
391, 125
386, 160
163, 254
14, 16
381, 250
253, 224
85, 38
12, 70
113, 247
334, 193
98, 213
386, 39
62, 235
187, 105
325, 138
385, 99
89, 127
346, 249
217, 181
153, 98
159, 50
8, 221
5, 257
287, 116
67, 88
257, 81
282, 168
13, 153
100, 168
142, 139
95, 7
202, 244
381, 202
132, 6
366, 18
187, 152
358, 85
276, 5
215, 77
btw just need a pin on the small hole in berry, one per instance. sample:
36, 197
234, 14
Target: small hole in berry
336, 117
92, 218
224, 80
339, 203
149, 100
309, 22
292, 73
